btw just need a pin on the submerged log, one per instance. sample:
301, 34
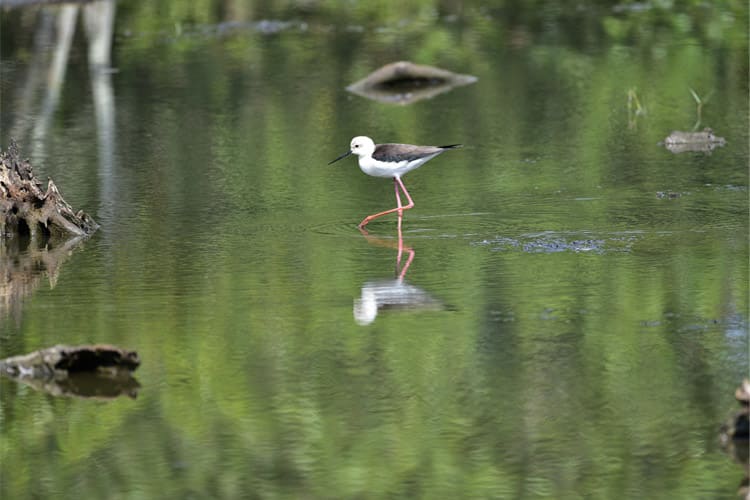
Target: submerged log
27, 210
404, 82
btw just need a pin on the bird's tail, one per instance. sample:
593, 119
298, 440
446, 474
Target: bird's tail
451, 146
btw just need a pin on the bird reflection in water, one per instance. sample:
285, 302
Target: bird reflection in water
392, 294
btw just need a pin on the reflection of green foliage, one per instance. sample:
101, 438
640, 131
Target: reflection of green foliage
549, 375
717, 23
635, 108
699, 102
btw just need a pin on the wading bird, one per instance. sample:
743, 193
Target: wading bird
391, 160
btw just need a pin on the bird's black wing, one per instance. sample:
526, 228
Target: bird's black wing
403, 152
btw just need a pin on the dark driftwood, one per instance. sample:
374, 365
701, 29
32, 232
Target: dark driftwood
61, 360
404, 82
739, 426
28, 210
86, 371
735, 434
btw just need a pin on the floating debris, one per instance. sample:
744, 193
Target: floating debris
736, 432
668, 195
404, 83
703, 141
706, 135
739, 426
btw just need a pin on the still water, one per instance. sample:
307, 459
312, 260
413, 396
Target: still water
567, 316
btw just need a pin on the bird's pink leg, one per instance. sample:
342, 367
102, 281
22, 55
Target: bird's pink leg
400, 217
398, 197
398, 209
402, 271
408, 263
403, 188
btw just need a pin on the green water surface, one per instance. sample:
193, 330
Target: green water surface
574, 317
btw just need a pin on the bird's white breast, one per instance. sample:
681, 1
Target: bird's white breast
371, 166
376, 168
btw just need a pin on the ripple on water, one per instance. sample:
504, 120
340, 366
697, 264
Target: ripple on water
337, 228
554, 241
412, 226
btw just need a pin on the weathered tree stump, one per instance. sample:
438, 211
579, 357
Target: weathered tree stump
28, 210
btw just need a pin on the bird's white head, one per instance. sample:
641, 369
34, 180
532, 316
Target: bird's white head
362, 146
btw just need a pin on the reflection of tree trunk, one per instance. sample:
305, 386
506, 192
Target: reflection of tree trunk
99, 19
66, 23
34, 78
46, 76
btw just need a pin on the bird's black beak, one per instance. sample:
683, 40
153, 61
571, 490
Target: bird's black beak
340, 157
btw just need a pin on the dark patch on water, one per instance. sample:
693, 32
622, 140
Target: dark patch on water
556, 242
199, 31
668, 195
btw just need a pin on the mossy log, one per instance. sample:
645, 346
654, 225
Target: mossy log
27, 210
